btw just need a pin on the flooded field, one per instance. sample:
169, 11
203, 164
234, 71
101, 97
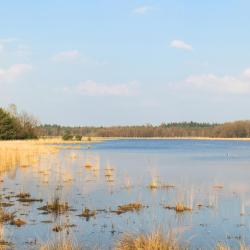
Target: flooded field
93, 194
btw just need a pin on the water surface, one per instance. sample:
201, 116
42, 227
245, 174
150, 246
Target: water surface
211, 177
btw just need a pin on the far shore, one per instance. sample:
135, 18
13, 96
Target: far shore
100, 139
85, 140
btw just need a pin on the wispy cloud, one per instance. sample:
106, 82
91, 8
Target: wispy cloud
247, 73
8, 40
1, 48
221, 84
64, 56
92, 88
141, 10
5, 41
14, 72
75, 56
179, 44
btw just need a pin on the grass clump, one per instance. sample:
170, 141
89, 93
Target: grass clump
26, 197
88, 165
56, 206
17, 222
87, 213
23, 195
153, 185
153, 241
130, 207
59, 228
179, 208
30, 200
5, 217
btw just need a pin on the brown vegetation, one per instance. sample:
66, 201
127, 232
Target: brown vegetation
154, 241
179, 207
87, 213
61, 244
238, 129
21, 153
56, 206
128, 208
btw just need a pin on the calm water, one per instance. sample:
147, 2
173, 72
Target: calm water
211, 177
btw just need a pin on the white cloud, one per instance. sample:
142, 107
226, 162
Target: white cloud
92, 88
179, 44
8, 40
141, 10
4, 41
1, 47
14, 72
247, 73
74, 56
65, 56
220, 84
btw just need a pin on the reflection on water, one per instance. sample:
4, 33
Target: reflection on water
199, 189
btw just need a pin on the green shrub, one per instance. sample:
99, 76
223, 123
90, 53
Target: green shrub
78, 137
67, 136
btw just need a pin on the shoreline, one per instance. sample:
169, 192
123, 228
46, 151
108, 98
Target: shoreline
175, 138
58, 140
100, 139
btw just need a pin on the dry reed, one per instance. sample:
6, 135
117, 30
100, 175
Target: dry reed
153, 241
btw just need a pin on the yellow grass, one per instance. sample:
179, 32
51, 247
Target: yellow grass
154, 241
225, 247
21, 153
59, 140
62, 244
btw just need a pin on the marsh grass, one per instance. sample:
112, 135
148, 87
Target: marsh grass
60, 227
154, 241
87, 213
21, 154
179, 207
61, 244
5, 216
88, 165
17, 222
153, 184
221, 246
218, 186
56, 206
4, 245
23, 195
130, 207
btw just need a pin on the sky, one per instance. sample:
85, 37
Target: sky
111, 62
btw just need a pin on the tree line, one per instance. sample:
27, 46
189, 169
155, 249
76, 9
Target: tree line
21, 125
238, 129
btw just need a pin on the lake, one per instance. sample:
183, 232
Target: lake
211, 178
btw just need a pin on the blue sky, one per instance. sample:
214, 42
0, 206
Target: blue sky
126, 62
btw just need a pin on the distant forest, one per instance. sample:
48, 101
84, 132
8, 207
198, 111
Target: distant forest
21, 125
238, 129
